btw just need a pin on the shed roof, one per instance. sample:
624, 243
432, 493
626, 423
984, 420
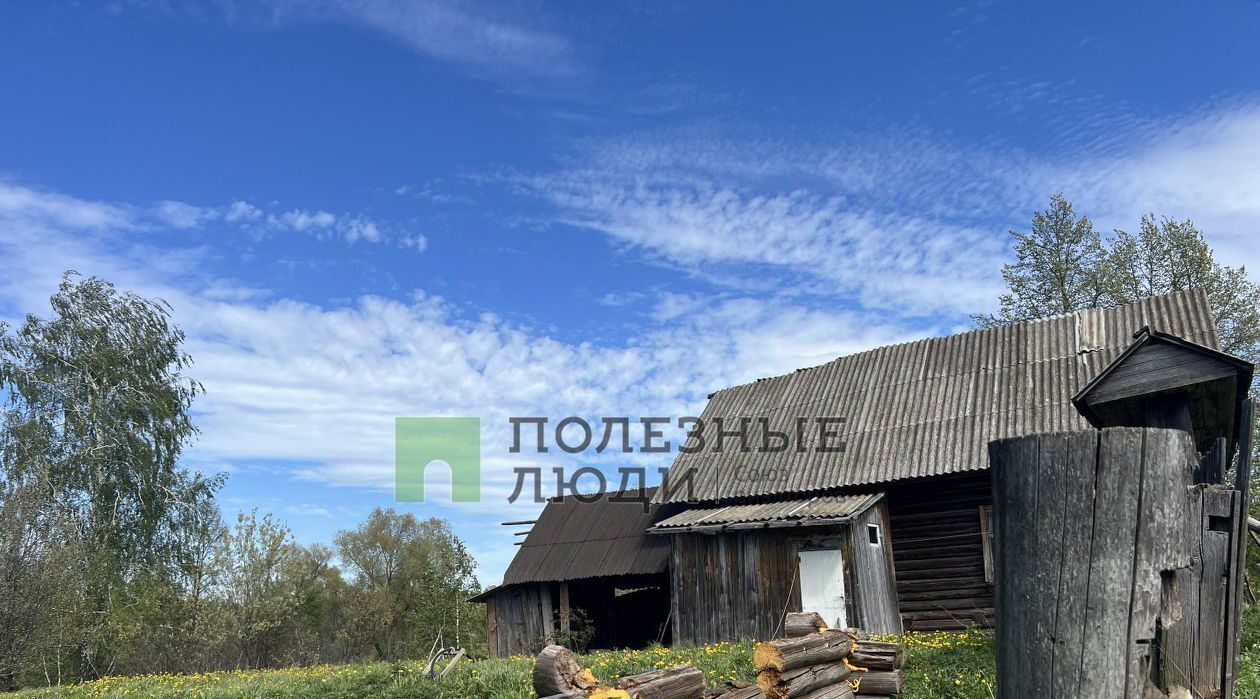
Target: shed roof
1213, 383
927, 407
822, 509
605, 537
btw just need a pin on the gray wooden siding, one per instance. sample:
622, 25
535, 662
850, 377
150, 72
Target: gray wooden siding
938, 552
873, 594
517, 617
732, 586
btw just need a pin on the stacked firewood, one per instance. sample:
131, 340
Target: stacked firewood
814, 662
810, 662
559, 675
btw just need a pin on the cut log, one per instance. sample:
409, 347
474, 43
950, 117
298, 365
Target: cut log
607, 693
753, 692
679, 682
791, 653
801, 681
868, 645
881, 683
875, 661
797, 624
877, 655
857, 633
557, 670
838, 691
568, 695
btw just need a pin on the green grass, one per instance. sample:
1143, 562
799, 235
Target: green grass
1249, 664
944, 665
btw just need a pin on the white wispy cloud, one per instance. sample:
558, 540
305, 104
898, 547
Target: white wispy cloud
912, 223
496, 40
318, 388
741, 213
32, 206
1205, 167
323, 225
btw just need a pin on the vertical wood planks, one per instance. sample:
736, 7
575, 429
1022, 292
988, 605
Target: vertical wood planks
1218, 507
1077, 532
1110, 562
1015, 498
873, 590
1242, 485
1089, 529
1181, 616
736, 584
564, 608
1160, 546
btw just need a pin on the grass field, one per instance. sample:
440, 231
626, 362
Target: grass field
943, 665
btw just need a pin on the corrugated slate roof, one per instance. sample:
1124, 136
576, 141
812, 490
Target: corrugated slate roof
832, 508
927, 407
573, 540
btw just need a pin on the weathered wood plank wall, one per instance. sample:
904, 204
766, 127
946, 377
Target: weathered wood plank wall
1091, 528
874, 590
518, 617
1195, 644
938, 552
732, 585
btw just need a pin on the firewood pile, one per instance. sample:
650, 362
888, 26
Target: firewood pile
559, 675
811, 661
814, 662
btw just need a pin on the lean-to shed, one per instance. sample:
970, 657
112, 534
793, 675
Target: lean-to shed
585, 563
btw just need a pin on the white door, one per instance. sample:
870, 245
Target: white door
822, 585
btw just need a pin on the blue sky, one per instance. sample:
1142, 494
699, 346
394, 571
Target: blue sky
367, 209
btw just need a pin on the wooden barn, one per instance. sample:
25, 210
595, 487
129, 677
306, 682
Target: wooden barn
892, 531
587, 564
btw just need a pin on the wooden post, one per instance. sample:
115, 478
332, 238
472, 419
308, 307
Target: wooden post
1238, 563
1089, 526
492, 628
546, 613
564, 609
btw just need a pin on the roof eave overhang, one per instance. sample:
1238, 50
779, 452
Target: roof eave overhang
792, 523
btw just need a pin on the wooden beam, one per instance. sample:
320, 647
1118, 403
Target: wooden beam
454, 661
519, 523
564, 608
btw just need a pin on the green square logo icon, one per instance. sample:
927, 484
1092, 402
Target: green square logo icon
419, 441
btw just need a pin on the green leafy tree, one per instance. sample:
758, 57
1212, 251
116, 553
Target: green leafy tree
257, 558
1059, 267
1167, 255
1063, 265
411, 580
96, 415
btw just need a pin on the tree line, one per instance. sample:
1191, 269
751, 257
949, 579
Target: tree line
116, 559
1064, 264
